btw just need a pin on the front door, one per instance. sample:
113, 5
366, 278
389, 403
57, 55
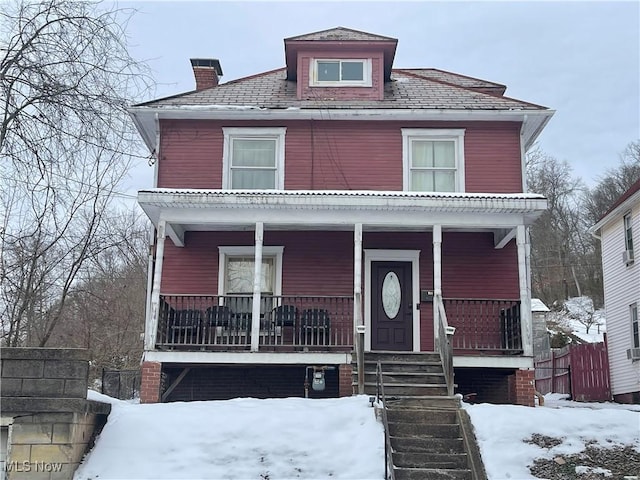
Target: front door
391, 306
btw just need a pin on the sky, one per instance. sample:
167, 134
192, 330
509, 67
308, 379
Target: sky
581, 59
247, 438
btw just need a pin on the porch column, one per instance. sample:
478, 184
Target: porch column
437, 274
257, 288
525, 297
357, 304
152, 327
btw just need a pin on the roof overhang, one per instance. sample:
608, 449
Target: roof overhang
615, 213
147, 119
201, 210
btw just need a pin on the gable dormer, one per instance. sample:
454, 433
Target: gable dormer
340, 63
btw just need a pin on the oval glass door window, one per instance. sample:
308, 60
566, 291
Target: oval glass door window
391, 295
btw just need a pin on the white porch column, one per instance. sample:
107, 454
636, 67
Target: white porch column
526, 325
357, 304
437, 274
151, 331
257, 288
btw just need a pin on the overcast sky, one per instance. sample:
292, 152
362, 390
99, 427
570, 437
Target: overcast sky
581, 59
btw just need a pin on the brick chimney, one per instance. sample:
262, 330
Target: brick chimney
207, 72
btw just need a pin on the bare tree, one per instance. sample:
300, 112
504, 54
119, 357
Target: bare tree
556, 234
66, 142
104, 311
613, 184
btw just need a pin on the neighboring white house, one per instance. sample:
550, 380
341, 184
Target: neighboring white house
618, 230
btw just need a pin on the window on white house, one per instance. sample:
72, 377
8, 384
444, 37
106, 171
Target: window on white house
628, 234
334, 72
635, 331
253, 158
433, 160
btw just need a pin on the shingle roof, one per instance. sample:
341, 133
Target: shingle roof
340, 34
454, 78
406, 90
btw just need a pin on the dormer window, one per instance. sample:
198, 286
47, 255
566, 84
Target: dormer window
350, 72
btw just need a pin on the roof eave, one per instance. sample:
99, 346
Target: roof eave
145, 117
615, 213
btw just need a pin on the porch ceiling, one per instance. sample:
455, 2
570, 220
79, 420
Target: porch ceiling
186, 209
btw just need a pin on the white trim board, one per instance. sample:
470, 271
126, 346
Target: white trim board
381, 255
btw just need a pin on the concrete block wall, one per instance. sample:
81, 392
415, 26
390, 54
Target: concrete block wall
50, 422
49, 446
45, 372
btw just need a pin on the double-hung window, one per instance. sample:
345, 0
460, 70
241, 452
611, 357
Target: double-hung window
628, 237
433, 160
237, 271
635, 331
253, 158
340, 73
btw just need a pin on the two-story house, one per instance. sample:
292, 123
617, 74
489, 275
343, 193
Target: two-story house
332, 206
621, 276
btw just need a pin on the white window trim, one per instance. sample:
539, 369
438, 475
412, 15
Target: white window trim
410, 134
628, 232
249, 251
366, 70
277, 133
631, 309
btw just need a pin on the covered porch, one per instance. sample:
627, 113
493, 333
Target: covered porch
432, 236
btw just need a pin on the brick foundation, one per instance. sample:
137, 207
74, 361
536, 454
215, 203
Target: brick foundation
150, 382
345, 380
524, 387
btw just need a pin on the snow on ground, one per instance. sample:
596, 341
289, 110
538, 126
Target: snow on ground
579, 312
294, 438
502, 432
244, 438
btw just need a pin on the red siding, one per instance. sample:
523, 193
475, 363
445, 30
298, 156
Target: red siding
473, 268
340, 154
492, 158
190, 154
321, 263
314, 263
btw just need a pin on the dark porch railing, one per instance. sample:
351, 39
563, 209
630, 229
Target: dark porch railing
225, 322
486, 325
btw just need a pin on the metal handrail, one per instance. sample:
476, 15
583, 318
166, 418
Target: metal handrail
388, 451
444, 343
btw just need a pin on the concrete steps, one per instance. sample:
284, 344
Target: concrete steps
427, 439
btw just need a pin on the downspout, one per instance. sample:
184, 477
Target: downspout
150, 321
151, 334
523, 156
157, 152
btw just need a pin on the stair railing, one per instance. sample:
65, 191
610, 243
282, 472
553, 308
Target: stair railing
445, 348
388, 451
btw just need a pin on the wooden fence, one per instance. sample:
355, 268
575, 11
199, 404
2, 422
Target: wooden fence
581, 371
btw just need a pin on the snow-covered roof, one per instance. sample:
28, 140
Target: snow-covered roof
538, 305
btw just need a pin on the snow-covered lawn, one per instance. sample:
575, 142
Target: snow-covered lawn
244, 438
295, 438
503, 432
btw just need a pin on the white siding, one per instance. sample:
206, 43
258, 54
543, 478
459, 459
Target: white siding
621, 289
